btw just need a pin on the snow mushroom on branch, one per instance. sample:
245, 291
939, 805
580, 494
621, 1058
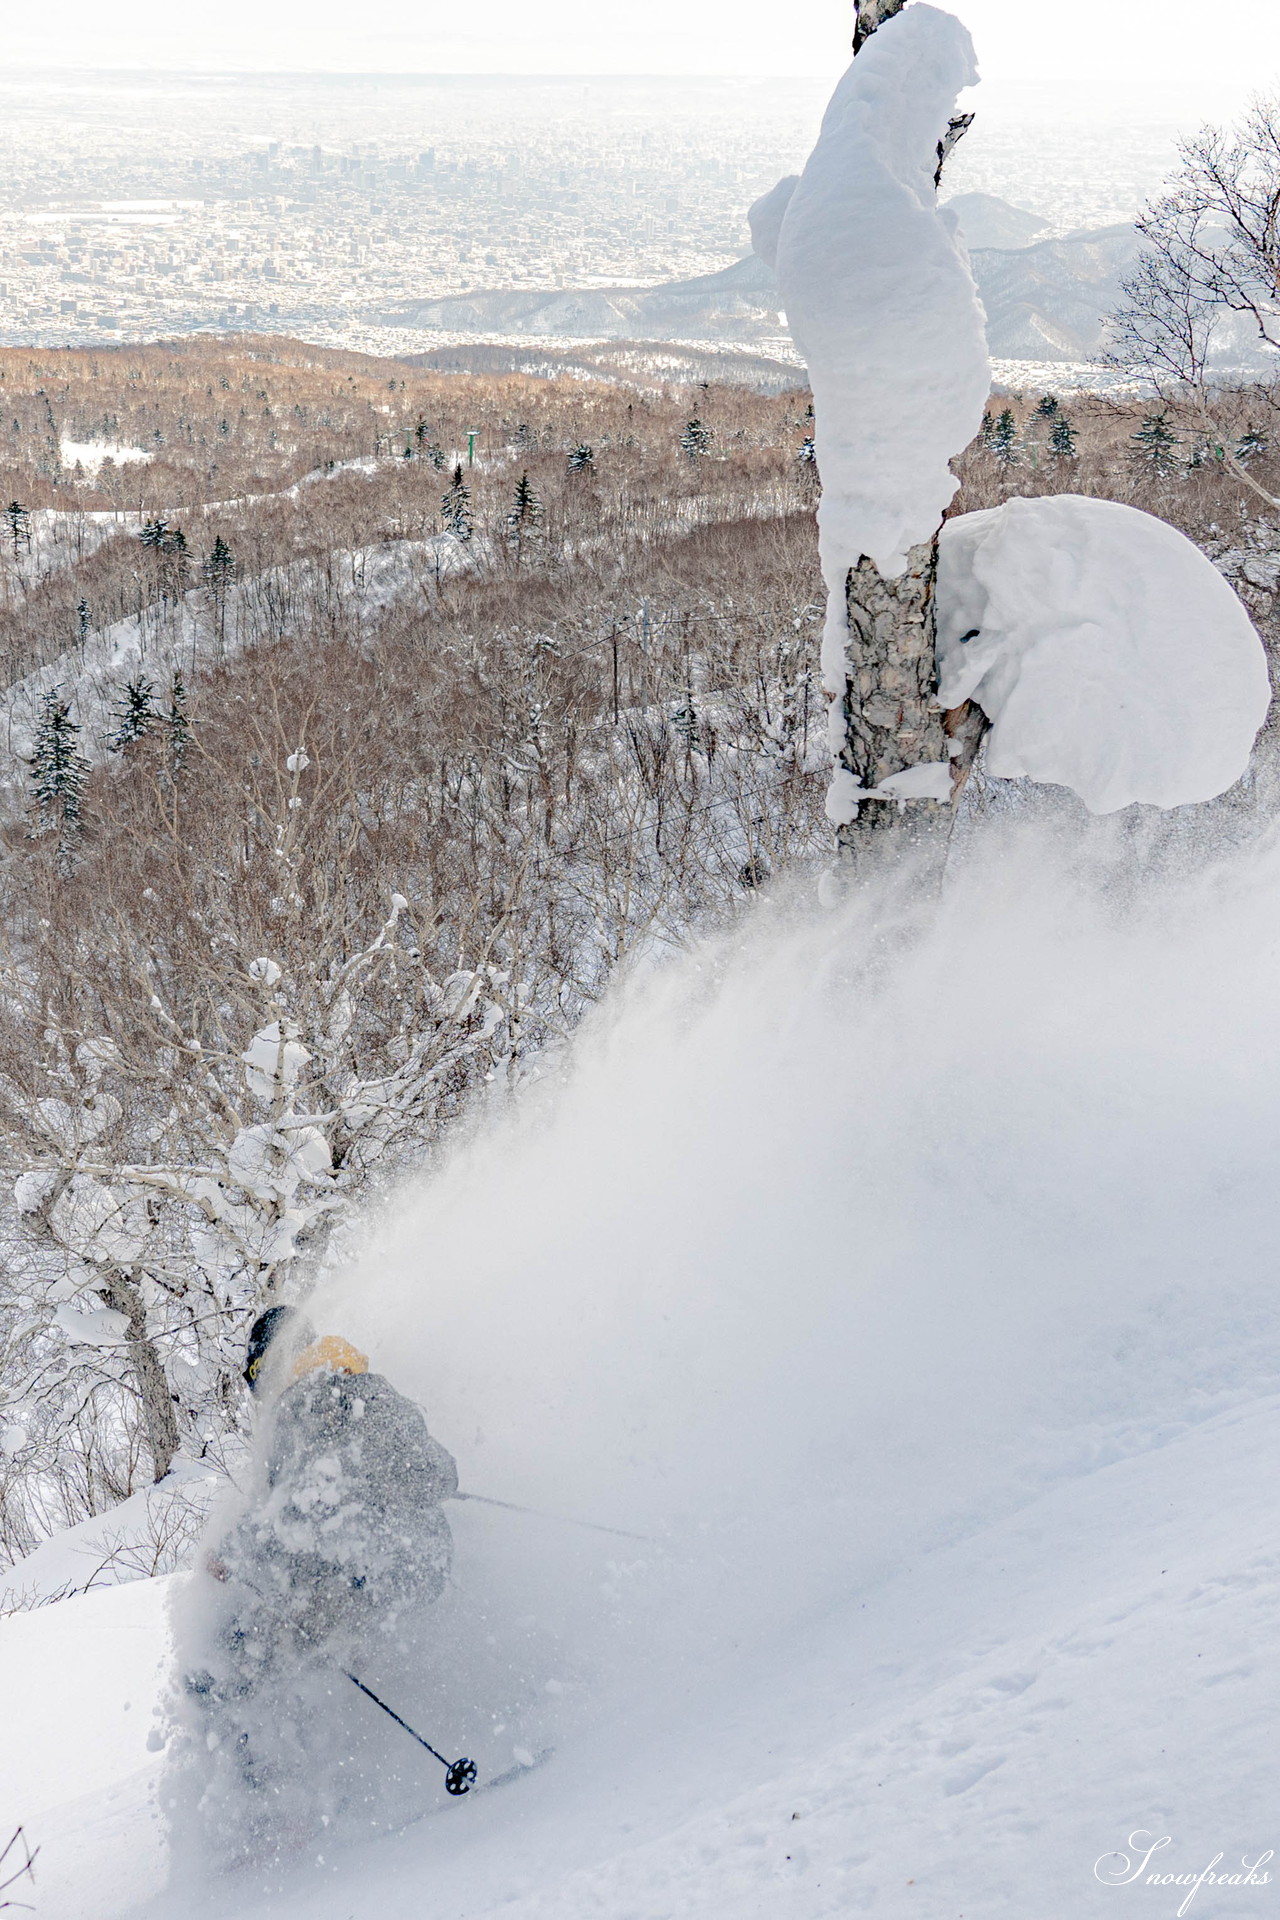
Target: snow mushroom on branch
1096, 631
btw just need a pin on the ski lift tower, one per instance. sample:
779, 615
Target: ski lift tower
473, 433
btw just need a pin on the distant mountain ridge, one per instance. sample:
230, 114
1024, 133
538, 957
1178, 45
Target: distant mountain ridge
1050, 301
1045, 299
740, 303
986, 221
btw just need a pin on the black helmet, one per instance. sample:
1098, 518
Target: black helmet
265, 1329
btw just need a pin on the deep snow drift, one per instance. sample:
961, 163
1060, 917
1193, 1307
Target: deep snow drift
909, 1274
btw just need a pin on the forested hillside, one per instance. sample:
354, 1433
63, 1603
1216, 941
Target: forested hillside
359, 722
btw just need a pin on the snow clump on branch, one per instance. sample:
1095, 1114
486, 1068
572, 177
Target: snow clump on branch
1108, 653
273, 1060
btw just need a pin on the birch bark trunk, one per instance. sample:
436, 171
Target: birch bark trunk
123, 1294
891, 717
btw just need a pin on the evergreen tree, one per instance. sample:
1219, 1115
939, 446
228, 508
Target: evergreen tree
18, 519
1202, 452
1047, 409
219, 567
687, 724
1062, 439
1252, 445
807, 456
178, 723
455, 507
135, 713
986, 430
695, 440
1155, 444
162, 540
420, 432
581, 458
526, 511
84, 622
58, 771
168, 546
1004, 439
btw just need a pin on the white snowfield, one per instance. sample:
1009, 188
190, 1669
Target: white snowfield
1108, 653
972, 1736
109, 1547
881, 301
80, 1683
90, 454
58, 540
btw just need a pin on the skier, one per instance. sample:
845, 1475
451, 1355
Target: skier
340, 1546
346, 1528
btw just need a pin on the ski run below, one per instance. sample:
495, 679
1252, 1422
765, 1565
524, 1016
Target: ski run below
908, 1272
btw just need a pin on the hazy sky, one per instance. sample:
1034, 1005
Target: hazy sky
1170, 54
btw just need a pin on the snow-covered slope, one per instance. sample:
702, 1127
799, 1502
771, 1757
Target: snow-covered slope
189, 635
989, 1727
79, 1688
909, 1274
1001, 1715
146, 1533
56, 540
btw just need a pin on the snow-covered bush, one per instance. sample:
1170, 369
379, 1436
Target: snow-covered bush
158, 1216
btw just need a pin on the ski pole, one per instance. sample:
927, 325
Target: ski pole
563, 1519
459, 1775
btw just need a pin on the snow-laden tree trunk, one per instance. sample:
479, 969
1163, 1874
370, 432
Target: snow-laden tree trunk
882, 303
889, 712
